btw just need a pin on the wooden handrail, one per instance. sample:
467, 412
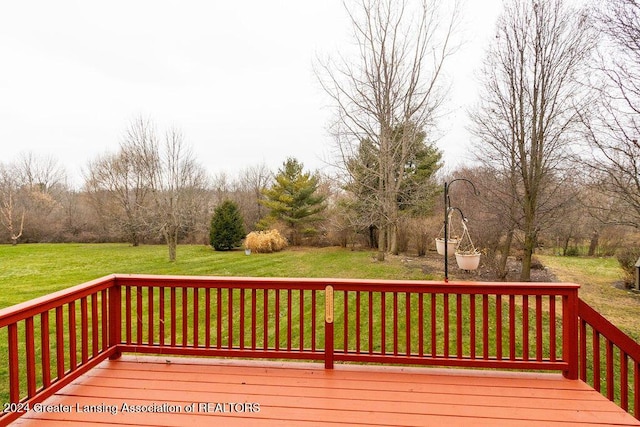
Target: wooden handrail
462, 324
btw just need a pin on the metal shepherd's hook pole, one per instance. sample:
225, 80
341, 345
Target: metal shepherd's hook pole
447, 210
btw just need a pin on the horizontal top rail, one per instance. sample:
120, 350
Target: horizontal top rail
30, 308
502, 288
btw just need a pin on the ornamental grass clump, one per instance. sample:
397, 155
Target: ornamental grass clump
265, 241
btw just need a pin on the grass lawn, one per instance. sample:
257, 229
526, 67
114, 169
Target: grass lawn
30, 271
599, 280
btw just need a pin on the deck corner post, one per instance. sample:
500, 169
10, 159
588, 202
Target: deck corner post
570, 334
328, 327
115, 319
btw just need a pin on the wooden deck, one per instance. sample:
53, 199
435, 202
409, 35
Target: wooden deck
259, 393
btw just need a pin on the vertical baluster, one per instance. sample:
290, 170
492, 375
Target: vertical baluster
72, 336
265, 318
512, 327
301, 316
370, 314
128, 315
313, 320
104, 310
499, 327
609, 369
539, 332
289, 319
254, 308
624, 380
46, 349
552, 329
485, 326
196, 316
241, 326
383, 323
420, 324
583, 350
459, 326
358, 337
407, 311
446, 324
94, 325
30, 356
161, 316
636, 389
14, 373
139, 315
434, 342
472, 325
174, 317
219, 318
207, 318
277, 318
84, 330
151, 316
395, 323
596, 359
345, 337
230, 318
185, 316
59, 343
525, 327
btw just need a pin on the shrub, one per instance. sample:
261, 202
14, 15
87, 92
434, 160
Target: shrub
627, 259
265, 241
572, 251
227, 229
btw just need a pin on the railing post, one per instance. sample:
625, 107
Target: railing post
328, 327
115, 318
570, 333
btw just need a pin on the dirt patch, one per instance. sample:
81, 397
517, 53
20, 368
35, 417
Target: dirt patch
433, 264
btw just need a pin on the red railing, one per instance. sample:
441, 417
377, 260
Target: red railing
54, 339
609, 360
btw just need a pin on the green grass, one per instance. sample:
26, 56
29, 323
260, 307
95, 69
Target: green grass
30, 271
599, 280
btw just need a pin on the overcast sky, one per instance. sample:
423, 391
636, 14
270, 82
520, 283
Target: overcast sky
235, 76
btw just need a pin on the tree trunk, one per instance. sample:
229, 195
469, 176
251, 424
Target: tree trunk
529, 245
393, 243
382, 243
565, 246
594, 243
504, 257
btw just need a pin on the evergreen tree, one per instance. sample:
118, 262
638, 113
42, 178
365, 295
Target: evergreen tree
292, 199
227, 229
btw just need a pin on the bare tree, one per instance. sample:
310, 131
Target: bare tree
613, 128
387, 94
118, 183
11, 213
177, 184
529, 109
248, 193
42, 173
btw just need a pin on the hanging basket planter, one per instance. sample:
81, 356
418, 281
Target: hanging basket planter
468, 261
452, 239
467, 256
452, 244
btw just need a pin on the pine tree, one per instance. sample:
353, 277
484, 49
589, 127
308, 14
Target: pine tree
292, 199
227, 229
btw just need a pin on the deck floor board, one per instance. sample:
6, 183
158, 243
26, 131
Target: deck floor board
305, 394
